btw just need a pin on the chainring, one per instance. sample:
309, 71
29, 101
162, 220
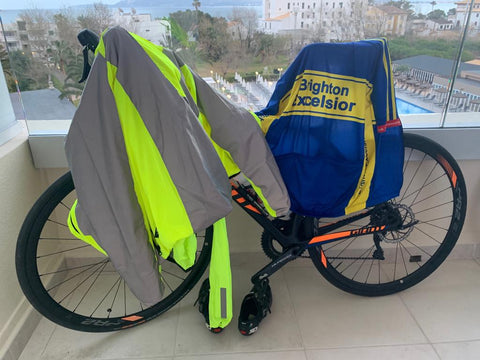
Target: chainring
270, 246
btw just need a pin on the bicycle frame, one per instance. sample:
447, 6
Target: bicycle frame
303, 233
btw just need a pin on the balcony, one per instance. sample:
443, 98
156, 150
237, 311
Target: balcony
413, 322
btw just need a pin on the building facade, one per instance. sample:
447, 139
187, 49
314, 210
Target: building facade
462, 12
329, 20
385, 20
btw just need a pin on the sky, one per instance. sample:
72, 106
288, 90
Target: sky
45, 4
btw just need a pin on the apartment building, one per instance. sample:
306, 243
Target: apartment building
385, 20
332, 19
462, 11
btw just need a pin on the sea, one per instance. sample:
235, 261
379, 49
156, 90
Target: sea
9, 16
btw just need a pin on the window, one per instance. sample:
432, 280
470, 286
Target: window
331, 17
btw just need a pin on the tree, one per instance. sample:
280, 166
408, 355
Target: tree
31, 74
196, 4
213, 38
73, 70
247, 20
5, 61
67, 27
96, 18
38, 27
452, 11
436, 14
433, 3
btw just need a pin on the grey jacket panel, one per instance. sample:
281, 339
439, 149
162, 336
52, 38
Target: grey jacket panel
107, 207
172, 122
236, 130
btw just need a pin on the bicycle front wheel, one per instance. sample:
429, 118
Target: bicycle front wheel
74, 285
434, 194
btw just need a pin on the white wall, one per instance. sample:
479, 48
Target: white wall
20, 186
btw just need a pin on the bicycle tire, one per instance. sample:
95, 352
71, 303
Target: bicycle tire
47, 267
439, 204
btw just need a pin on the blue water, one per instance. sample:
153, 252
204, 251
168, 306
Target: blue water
404, 107
9, 16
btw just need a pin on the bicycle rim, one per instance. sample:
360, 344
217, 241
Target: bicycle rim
434, 194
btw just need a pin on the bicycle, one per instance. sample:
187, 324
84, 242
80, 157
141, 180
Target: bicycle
379, 251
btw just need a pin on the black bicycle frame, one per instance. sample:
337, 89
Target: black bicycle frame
303, 234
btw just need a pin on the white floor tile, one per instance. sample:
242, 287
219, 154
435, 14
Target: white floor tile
39, 340
330, 318
278, 331
155, 338
404, 352
468, 350
284, 355
446, 305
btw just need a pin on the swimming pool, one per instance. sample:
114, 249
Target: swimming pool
404, 107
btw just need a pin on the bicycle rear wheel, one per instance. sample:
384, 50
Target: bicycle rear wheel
434, 194
74, 285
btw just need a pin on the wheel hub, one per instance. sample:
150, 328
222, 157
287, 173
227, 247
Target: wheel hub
407, 217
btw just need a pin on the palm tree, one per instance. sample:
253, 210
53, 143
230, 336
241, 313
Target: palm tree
196, 4
433, 3
5, 61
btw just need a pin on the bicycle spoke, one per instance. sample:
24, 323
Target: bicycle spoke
63, 251
419, 248
69, 269
428, 235
423, 185
90, 287
67, 207
434, 207
362, 255
103, 299
369, 271
429, 197
57, 223
360, 267
413, 177
80, 284
64, 281
172, 274
417, 191
433, 225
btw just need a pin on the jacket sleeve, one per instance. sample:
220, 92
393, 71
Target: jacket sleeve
236, 130
107, 207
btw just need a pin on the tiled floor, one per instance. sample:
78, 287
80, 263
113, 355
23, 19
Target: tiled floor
310, 320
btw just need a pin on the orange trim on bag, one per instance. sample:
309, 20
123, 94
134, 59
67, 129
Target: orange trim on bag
240, 200
234, 192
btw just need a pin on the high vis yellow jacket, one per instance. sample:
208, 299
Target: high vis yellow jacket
150, 149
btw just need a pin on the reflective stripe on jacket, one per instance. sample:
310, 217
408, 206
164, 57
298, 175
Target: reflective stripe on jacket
145, 168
